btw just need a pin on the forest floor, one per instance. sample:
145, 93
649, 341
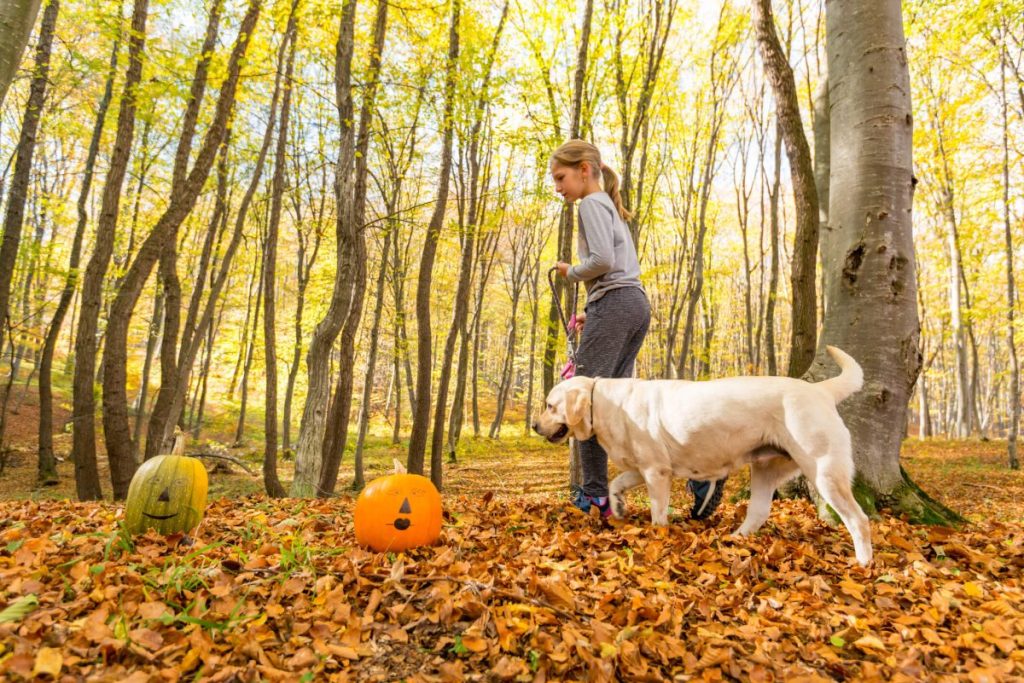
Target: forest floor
520, 586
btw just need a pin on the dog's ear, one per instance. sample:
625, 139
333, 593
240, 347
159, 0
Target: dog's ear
577, 413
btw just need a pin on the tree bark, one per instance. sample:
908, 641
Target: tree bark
271, 482
159, 437
461, 311
152, 342
773, 278
341, 405
359, 480
47, 474
250, 351
17, 18
87, 482
303, 267
805, 194
17, 198
651, 52
1011, 296
309, 449
115, 403
565, 234
869, 249
421, 412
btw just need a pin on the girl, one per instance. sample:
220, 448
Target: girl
617, 313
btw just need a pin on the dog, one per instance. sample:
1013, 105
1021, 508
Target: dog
654, 430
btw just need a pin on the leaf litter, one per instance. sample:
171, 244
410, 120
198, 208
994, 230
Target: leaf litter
520, 588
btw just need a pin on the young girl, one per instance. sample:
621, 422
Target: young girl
617, 313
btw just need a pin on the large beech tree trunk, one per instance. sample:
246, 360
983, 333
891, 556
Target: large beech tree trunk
868, 247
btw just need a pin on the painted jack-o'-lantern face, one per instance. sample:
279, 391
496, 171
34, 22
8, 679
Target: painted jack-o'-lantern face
398, 512
167, 493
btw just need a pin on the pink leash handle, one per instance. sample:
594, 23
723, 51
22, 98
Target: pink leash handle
569, 370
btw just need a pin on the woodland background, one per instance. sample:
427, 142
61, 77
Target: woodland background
675, 96
226, 219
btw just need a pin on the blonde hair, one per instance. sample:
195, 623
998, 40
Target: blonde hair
575, 152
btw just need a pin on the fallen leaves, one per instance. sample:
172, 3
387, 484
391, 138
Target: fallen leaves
520, 589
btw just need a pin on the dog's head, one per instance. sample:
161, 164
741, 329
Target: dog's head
567, 412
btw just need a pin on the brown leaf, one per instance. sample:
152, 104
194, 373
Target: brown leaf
49, 661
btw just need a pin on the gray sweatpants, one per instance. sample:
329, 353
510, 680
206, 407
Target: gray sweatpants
614, 331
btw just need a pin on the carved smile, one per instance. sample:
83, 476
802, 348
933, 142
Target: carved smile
160, 516
402, 523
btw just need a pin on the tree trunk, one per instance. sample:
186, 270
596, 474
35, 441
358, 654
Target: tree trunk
198, 421
773, 278
303, 267
17, 17
341, 405
534, 311
822, 162
87, 482
250, 351
15, 215
115, 404
487, 244
805, 194
359, 480
654, 37
421, 412
461, 311
309, 449
565, 228
868, 248
271, 482
17, 197
152, 342
1011, 297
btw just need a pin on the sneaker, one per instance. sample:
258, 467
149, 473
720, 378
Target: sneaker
584, 502
706, 497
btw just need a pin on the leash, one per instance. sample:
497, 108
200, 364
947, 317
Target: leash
572, 336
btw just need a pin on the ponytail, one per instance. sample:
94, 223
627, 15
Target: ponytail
611, 186
575, 152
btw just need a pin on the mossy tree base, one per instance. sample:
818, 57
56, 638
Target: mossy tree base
907, 500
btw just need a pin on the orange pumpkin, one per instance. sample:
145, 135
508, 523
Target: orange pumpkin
397, 512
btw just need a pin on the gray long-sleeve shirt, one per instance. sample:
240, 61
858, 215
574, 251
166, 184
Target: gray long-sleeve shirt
604, 247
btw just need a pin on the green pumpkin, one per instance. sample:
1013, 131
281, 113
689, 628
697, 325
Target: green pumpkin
167, 493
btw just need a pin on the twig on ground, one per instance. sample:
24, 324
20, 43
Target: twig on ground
986, 486
225, 457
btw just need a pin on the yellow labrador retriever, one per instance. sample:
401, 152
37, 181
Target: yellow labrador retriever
656, 429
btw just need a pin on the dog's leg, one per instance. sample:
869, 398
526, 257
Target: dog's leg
765, 477
659, 488
833, 483
617, 491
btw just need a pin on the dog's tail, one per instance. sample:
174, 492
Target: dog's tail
850, 380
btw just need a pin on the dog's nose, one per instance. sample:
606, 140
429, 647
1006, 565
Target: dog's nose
534, 425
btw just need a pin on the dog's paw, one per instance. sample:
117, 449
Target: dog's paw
618, 505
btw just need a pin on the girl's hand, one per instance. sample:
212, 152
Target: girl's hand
581, 319
563, 268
